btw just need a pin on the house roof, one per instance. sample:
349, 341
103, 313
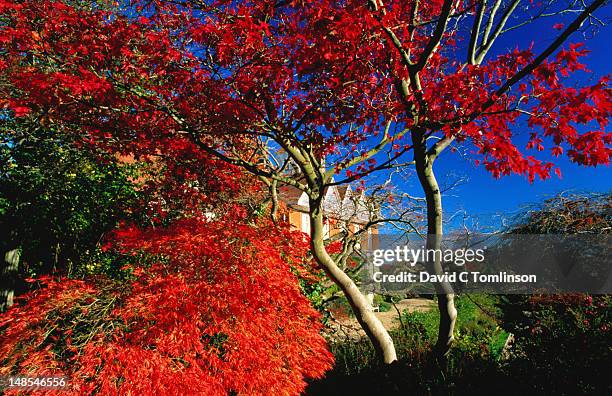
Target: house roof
290, 194
342, 191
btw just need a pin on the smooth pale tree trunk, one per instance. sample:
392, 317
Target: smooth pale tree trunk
8, 278
373, 327
444, 291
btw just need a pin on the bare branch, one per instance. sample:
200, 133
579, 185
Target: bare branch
439, 146
433, 43
476, 32
488, 40
491, 19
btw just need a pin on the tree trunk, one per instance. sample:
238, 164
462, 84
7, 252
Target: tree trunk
444, 291
383, 343
8, 278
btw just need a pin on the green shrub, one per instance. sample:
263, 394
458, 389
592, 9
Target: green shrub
474, 356
562, 347
384, 303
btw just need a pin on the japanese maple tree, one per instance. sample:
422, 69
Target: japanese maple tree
217, 311
367, 85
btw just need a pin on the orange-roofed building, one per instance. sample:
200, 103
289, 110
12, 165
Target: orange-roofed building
343, 209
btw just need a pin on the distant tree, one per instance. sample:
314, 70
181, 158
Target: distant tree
568, 214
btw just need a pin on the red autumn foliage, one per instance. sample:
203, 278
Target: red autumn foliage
218, 73
219, 310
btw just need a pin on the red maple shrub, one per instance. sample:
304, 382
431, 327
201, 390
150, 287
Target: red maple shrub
217, 311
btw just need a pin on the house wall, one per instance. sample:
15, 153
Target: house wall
295, 219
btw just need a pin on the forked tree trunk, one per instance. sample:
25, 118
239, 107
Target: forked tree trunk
375, 330
444, 291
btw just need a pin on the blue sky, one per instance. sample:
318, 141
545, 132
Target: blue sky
483, 196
